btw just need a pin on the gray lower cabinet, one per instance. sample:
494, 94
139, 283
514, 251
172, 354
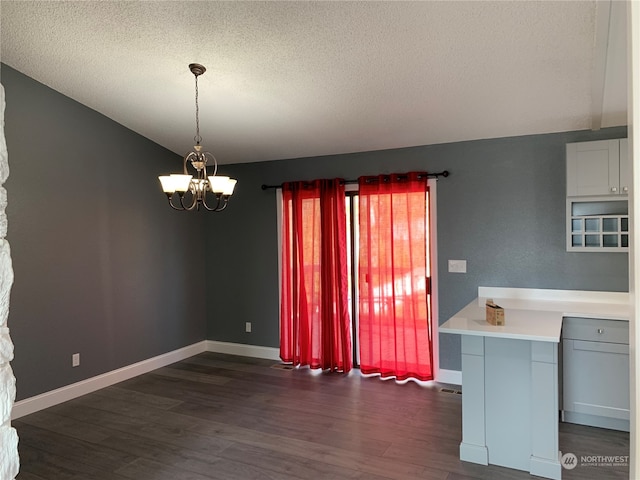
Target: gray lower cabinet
595, 372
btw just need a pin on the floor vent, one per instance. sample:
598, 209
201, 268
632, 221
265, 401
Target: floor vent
282, 366
449, 390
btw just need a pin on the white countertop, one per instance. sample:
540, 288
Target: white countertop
535, 314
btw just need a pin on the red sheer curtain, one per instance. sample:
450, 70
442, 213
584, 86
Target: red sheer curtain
394, 309
314, 312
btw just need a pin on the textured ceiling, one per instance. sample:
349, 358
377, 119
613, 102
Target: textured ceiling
296, 79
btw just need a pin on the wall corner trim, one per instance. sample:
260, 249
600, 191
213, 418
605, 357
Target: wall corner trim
69, 392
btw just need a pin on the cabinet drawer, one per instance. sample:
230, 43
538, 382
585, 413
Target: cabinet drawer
596, 330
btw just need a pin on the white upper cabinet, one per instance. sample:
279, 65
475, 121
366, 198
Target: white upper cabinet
598, 168
598, 184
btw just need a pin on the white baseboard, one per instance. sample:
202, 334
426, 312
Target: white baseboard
474, 453
256, 351
69, 392
75, 390
453, 377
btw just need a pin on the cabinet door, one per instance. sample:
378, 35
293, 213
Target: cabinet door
625, 167
596, 379
593, 168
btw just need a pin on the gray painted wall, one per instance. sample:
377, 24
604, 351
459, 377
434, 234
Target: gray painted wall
102, 266
502, 209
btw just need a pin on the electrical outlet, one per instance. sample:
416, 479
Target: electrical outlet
75, 359
247, 327
458, 266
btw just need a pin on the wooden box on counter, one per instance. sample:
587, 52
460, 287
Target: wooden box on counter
495, 313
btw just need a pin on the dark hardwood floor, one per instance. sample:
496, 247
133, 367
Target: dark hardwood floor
235, 418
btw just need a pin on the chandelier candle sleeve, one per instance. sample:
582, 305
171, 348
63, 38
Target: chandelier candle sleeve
191, 192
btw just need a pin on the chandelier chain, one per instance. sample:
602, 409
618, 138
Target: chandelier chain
197, 138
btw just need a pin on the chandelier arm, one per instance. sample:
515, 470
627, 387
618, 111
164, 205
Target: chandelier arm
218, 207
207, 207
169, 196
210, 156
226, 202
184, 163
224, 198
193, 203
211, 209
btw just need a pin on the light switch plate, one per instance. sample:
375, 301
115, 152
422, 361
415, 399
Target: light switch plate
458, 266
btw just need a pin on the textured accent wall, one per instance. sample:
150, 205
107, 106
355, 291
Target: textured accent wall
502, 209
9, 460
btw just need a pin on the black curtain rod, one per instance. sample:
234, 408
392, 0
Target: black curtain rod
444, 173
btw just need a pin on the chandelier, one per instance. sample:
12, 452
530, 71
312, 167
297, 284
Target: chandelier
193, 191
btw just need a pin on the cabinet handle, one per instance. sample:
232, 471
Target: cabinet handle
601, 330
614, 189
625, 189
